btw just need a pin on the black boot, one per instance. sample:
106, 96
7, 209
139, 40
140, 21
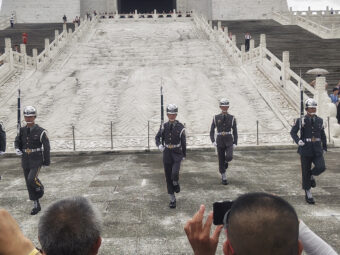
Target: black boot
177, 188
172, 204
36, 208
224, 182
309, 199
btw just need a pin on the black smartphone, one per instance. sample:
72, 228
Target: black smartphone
220, 209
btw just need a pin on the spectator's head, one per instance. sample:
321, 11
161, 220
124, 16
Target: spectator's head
335, 91
260, 223
70, 226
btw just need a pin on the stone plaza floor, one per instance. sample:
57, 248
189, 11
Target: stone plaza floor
130, 192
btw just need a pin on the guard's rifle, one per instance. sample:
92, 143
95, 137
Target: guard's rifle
301, 108
19, 113
162, 116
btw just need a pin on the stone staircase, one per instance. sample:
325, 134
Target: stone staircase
307, 51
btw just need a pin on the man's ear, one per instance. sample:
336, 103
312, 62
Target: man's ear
227, 249
300, 247
96, 246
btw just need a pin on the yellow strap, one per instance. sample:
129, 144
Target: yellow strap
34, 252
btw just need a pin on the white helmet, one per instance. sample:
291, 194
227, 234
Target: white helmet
172, 109
224, 102
310, 103
30, 111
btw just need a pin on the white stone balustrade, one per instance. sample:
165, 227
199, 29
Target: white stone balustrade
323, 23
13, 60
142, 16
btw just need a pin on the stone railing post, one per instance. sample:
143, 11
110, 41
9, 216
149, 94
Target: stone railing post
24, 58
8, 44
226, 32
174, 14
333, 30
76, 26
11, 59
210, 23
234, 39
284, 67
325, 107
47, 46
243, 52
56, 37
69, 33
154, 14
35, 57
64, 28
263, 46
219, 25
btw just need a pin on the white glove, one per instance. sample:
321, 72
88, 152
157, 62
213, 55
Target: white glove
234, 146
215, 144
2, 152
161, 148
183, 158
18, 152
301, 143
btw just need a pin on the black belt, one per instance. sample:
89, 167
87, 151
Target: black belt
172, 146
29, 151
313, 139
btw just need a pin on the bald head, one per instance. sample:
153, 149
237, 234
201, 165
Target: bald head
261, 223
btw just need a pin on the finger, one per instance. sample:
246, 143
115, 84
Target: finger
217, 233
187, 227
207, 225
197, 220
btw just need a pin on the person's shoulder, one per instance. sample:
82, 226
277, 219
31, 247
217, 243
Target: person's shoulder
40, 129
179, 124
319, 118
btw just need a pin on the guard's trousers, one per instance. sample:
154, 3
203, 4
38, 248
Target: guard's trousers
171, 174
225, 154
34, 186
307, 170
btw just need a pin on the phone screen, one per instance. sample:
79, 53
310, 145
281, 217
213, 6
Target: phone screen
220, 209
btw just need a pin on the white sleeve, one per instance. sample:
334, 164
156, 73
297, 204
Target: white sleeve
312, 243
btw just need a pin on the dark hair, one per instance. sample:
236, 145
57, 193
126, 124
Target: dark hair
260, 223
335, 89
69, 226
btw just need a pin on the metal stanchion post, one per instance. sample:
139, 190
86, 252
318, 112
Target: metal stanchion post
329, 130
111, 137
257, 132
148, 135
74, 140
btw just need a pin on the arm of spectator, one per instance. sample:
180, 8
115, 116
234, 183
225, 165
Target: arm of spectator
12, 240
199, 234
312, 243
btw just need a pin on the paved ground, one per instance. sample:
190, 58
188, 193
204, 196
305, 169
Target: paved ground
130, 192
307, 50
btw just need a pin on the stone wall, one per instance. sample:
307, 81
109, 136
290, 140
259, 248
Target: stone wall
97, 5
41, 11
201, 6
246, 9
